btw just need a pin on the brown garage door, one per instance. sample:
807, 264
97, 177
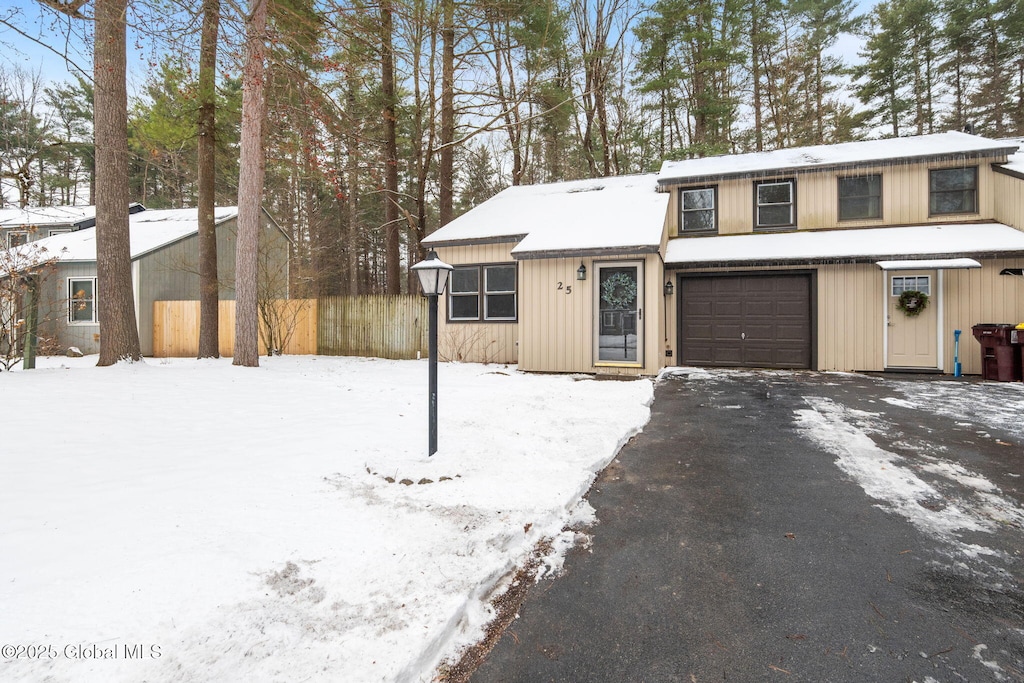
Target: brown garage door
754, 321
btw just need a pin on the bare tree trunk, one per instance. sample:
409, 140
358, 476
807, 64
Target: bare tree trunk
446, 158
209, 327
352, 203
392, 262
119, 338
250, 188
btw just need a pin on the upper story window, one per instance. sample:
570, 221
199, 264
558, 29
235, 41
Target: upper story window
775, 204
698, 210
82, 300
953, 190
482, 293
58, 231
16, 238
860, 197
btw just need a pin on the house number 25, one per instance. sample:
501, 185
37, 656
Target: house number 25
567, 288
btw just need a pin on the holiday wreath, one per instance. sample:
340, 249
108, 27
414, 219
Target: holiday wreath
619, 291
912, 302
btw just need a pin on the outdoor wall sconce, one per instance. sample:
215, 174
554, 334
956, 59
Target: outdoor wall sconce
669, 288
581, 272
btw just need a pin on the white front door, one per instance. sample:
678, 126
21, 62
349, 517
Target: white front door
913, 339
619, 325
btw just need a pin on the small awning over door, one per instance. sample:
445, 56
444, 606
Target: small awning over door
930, 264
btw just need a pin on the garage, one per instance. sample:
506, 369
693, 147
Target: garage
760, 320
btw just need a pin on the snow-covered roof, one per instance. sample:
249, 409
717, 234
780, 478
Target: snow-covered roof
1015, 162
46, 215
148, 230
824, 156
868, 243
625, 212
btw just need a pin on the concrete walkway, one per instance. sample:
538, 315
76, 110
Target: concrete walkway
731, 547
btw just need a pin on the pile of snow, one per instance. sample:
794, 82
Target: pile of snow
193, 521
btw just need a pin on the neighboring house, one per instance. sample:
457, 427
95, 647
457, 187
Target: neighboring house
164, 253
786, 259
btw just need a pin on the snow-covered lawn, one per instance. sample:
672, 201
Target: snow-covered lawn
192, 521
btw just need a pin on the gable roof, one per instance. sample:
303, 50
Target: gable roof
848, 244
622, 213
846, 154
148, 230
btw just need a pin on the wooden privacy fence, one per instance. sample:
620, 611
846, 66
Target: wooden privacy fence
376, 326
176, 327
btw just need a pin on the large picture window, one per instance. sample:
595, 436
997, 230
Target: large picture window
697, 210
82, 300
953, 190
775, 204
482, 293
860, 197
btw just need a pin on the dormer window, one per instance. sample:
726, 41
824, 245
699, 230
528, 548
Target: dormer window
698, 210
775, 204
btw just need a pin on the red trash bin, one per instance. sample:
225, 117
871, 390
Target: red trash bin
1000, 358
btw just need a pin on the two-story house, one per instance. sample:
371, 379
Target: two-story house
794, 258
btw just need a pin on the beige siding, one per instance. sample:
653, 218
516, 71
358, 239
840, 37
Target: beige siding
851, 317
979, 296
492, 342
557, 325
904, 198
1009, 193
851, 325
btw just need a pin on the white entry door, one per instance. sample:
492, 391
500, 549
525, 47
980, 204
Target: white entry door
913, 339
619, 327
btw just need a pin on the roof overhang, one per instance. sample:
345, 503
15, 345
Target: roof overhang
577, 253
848, 245
930, 264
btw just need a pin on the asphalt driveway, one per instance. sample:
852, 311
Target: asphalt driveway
795, 527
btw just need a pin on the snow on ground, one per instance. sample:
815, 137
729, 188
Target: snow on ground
192, 521
931, 490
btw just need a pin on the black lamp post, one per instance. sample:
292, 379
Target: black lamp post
433, 274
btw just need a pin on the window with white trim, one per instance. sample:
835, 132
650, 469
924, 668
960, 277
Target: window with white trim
57, 231
697, 209
16, 238
775, 204
82, 300
482, 293
911, 283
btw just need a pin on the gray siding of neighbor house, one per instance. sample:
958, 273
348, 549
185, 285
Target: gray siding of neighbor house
172, 273
53, 309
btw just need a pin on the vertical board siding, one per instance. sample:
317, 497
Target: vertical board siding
483, 342
851, 318
905, 190
176, 327
1010, 207
375, 326
558, 329
979, 295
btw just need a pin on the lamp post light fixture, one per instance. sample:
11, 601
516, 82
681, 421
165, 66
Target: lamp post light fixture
433, 274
